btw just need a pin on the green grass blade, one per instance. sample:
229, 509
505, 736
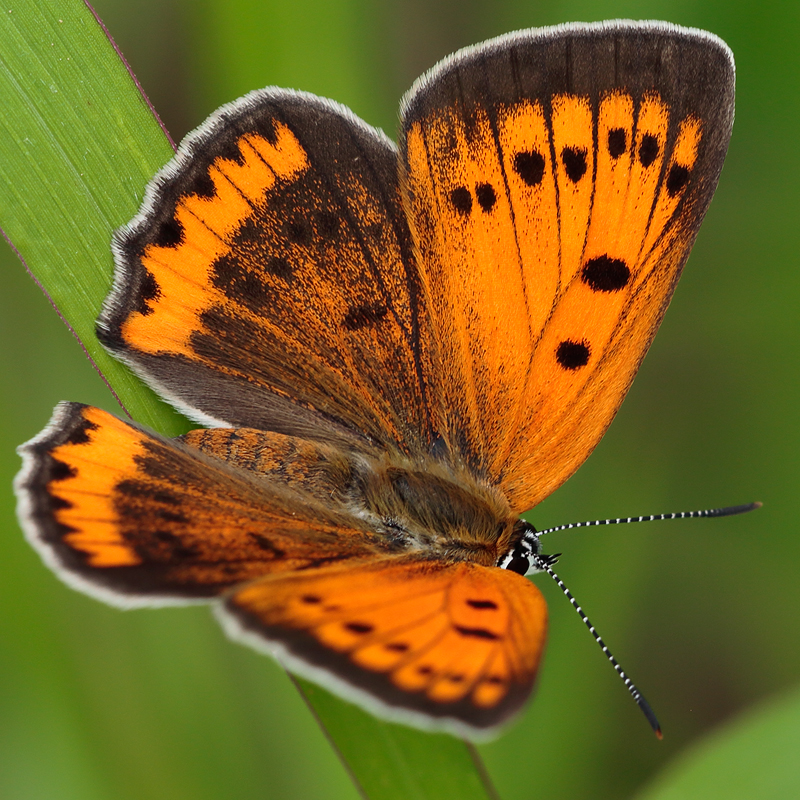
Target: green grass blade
393, 762
78, 144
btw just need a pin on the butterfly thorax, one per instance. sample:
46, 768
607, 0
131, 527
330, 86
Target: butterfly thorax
428, 506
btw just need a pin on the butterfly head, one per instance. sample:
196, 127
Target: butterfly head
525, 555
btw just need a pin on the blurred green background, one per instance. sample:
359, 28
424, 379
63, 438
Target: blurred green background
97, 703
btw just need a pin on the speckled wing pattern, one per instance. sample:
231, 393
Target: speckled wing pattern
269, 281
138, 519
415, 639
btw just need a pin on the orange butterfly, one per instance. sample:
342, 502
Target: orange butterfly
400, 349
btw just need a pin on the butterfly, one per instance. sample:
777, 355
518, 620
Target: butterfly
397, 350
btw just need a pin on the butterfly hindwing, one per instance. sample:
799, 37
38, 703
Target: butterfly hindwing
139, 519
452, 646
269, 280
555, 182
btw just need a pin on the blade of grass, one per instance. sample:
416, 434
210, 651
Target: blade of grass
78, 144
393, 762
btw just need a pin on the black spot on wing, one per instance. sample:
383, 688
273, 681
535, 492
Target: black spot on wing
648, 150
299, 231
486, 196
572, 355
605, 274
170, 516
677, 178
59, 471
529, 165
574, 161
162, 496
617, 142
461, 199
240, 284
148, 290
477, 633
364, 315
253, 251
168, 233
359, 627
280, 268
169, 542
482, 604
266, 545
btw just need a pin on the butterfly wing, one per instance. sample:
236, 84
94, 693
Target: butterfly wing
555, 182
453, 646
138, 519
268, 281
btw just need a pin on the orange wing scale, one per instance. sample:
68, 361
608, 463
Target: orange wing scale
456, 641
271, 284
208, 223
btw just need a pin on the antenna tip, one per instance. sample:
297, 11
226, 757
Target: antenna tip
648, 712
729, 511
659, 735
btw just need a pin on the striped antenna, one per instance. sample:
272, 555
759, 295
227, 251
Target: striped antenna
729, 511
543, 563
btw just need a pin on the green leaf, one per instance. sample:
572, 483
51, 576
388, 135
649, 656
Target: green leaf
755, 756
393, 762
78, 144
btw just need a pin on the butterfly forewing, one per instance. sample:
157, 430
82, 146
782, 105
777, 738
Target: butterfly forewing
269, 280
555, 182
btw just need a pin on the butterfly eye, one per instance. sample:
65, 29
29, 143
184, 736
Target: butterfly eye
518, 563
517, 559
